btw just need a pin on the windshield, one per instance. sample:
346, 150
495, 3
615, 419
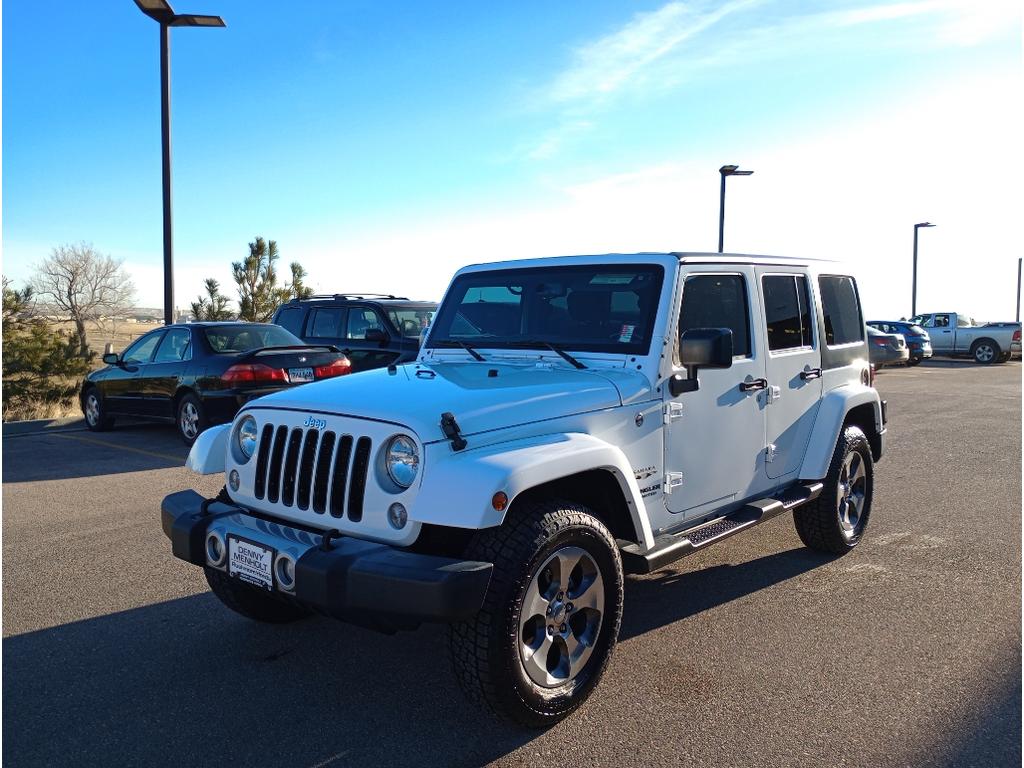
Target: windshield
245, 338
593, 308
413, 321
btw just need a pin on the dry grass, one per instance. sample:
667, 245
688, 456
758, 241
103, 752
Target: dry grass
120, 334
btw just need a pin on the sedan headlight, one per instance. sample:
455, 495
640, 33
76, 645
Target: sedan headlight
402, 460
246, 436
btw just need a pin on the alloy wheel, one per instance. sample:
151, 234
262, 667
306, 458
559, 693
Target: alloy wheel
560, 617
189, 420
853, 484
92, 409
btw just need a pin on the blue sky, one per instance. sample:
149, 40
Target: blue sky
385, 144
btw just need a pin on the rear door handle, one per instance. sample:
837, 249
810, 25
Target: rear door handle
750, 386
812, 373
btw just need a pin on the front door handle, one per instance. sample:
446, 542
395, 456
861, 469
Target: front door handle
812, 373
750, 386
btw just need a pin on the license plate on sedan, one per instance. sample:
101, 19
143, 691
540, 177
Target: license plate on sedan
252, 563
300, 374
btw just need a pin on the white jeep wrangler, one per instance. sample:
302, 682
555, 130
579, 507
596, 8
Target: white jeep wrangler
567, 421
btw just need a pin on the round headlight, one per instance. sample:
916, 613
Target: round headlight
402, 460
247, 436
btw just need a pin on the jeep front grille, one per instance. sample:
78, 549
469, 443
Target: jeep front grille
304, 468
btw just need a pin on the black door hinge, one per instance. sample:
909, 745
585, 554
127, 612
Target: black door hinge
450, 427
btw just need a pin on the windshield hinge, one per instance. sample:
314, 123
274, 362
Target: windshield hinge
450, 427
672, 412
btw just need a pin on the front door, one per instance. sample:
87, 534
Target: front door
124, 391
714, 437
793, 369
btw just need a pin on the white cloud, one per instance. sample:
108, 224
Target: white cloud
851, 189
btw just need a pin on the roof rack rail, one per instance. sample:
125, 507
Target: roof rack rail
353, 296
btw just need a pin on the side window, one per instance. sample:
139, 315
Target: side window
290, 318
841, 308
941, 321
787, 311
361, 320
718, 301
326, 323
142, 350
176, 347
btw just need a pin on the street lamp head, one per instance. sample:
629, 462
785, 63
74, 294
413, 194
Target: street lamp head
733, 170
924, 224
193, 20
160, 10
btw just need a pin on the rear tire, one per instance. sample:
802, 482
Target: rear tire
550, 619
985, 352
250, 601
190, 418
95, 411
835, 522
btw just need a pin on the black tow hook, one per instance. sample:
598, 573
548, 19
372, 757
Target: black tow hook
325, 541
221, 497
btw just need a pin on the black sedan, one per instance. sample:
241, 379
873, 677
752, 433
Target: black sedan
201, 374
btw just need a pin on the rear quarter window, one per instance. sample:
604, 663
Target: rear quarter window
290, 318
840, 306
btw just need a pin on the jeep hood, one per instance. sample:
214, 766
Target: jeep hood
483, 396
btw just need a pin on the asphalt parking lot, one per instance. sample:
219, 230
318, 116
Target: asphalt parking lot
756, 652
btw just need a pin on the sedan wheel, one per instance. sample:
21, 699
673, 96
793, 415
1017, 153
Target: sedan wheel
191, 419
94, 411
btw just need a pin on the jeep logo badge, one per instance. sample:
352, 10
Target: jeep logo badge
314, 423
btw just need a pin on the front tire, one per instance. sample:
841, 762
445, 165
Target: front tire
95, 411
835, 522
191, 418
250, 601
551, 616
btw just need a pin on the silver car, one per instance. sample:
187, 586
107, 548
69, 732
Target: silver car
887, 348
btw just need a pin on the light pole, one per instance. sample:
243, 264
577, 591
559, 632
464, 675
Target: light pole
161, 12
726, 170
913, 295
1018, 289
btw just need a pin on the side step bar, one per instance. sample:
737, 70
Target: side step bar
670, 547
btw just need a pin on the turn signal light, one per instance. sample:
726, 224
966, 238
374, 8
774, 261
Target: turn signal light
247, 373
339, 367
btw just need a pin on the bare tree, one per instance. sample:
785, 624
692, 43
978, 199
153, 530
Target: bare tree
85, 284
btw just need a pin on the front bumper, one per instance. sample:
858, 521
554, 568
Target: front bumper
362, 582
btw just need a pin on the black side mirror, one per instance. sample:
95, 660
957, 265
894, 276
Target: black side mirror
109, 356
376, 334
701, 348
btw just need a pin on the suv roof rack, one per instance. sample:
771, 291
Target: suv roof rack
353, 296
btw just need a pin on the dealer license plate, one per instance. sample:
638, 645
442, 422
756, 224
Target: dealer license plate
300, 374
252, 563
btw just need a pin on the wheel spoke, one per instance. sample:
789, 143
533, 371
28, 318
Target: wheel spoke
534, 603
536, 661
567, 560
592, 596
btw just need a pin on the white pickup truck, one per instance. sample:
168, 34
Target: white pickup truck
957, 335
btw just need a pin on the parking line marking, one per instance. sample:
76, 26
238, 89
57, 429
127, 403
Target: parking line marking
105, 444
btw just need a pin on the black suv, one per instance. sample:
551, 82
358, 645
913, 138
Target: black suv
373, 330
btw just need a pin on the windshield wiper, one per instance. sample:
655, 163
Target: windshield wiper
460, 343
554, 348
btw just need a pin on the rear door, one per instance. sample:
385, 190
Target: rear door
164, 374
793, 368
714, 437
367, 339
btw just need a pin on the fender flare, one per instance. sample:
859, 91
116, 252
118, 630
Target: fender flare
207, 454
835, 405
457, 487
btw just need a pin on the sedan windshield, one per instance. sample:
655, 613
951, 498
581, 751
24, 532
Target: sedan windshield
592, 308
245, 338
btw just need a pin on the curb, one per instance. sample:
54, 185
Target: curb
43, 426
